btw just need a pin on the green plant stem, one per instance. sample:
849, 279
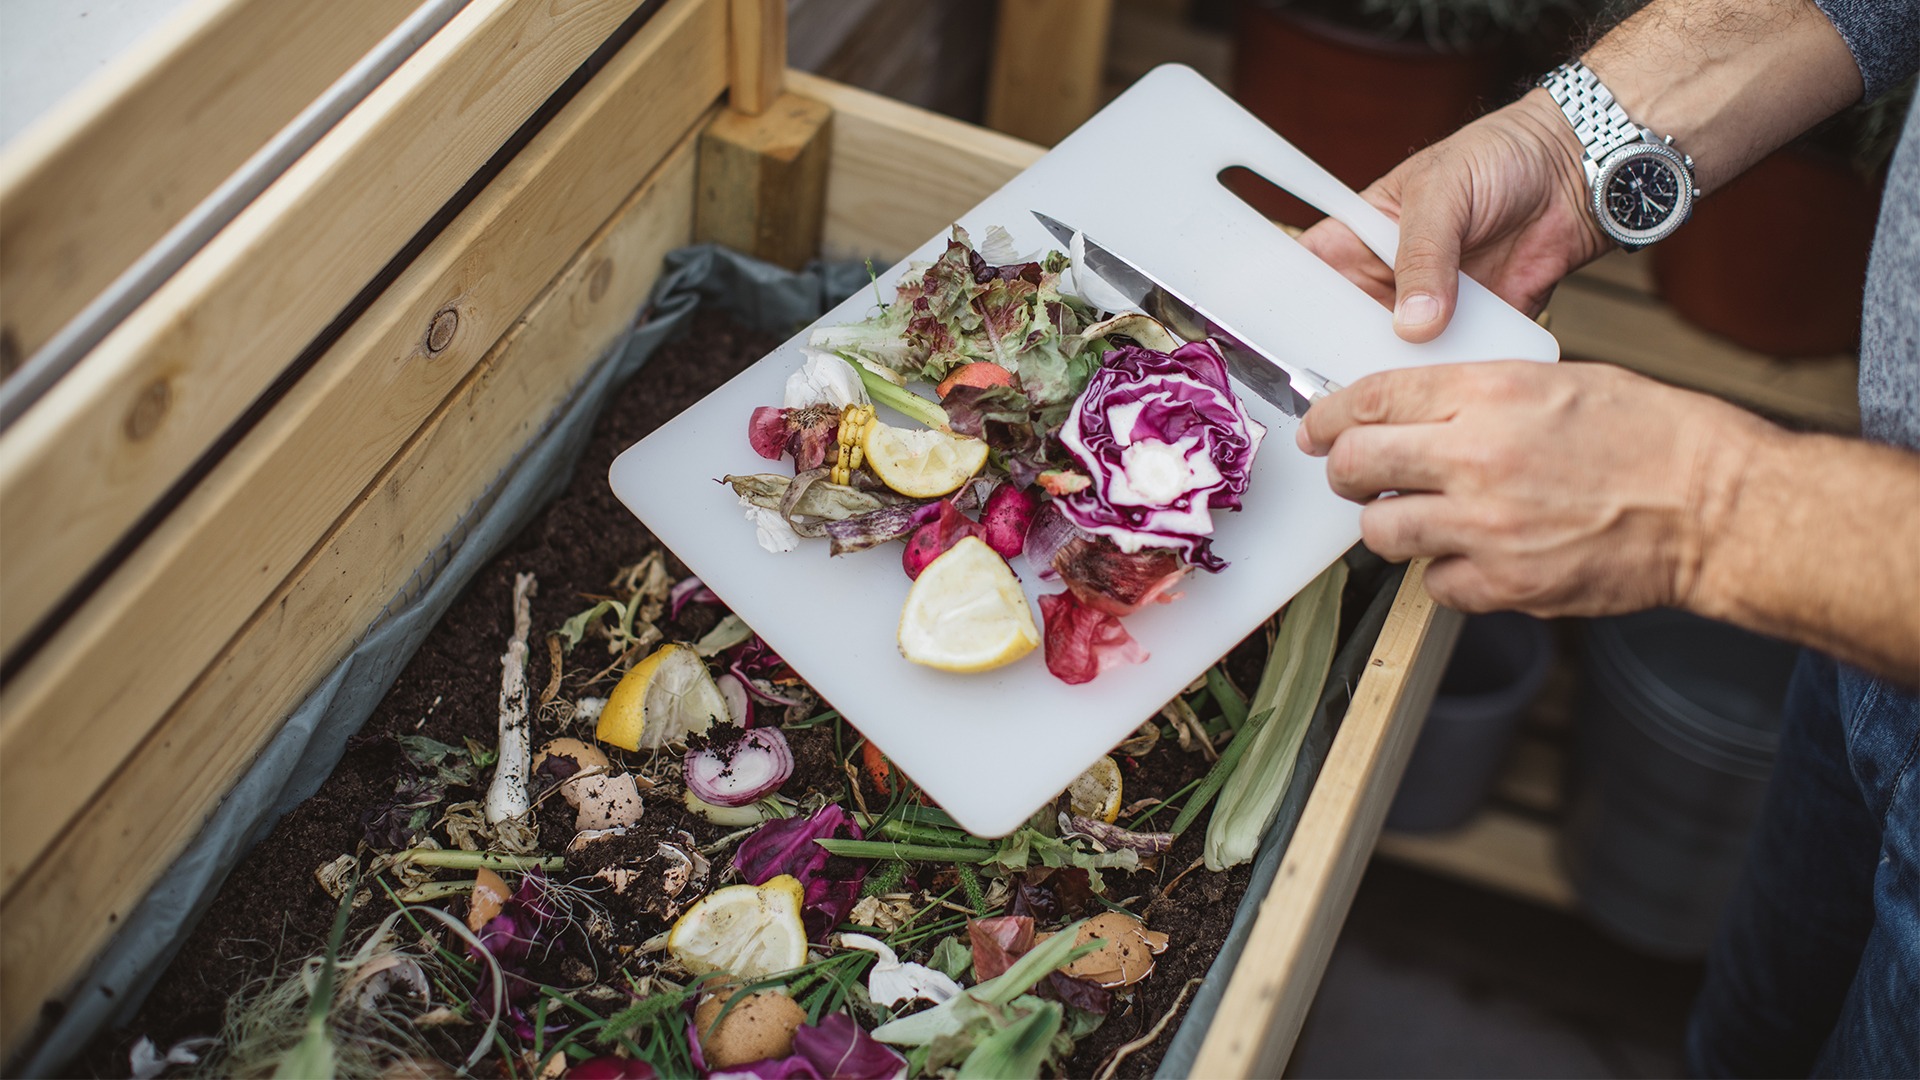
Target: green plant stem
1232, 705
1148, 815
898, 829
429, 891
873, 849
1210, 784
477, 860
899, 398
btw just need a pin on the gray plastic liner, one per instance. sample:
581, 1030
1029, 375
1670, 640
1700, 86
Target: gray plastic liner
301, 757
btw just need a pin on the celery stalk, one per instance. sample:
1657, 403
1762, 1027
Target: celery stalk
899, 398
1295, 674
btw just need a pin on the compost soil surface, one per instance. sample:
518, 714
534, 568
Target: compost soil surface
272, 912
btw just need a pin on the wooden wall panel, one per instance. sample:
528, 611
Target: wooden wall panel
66, 906
81, 467
94, 184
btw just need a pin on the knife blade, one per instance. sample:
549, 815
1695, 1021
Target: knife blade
1290, 388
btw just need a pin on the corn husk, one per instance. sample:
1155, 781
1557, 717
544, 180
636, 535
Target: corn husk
1289, 691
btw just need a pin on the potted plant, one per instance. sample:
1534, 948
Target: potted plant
1360, 84
1776, 261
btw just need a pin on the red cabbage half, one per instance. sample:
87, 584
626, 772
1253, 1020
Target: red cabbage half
1166, 442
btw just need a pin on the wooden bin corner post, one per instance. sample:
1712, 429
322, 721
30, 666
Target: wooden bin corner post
763, 180
1049, 57
763, 163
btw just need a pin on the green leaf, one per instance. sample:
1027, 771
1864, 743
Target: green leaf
1290, 687
951, 956
728, 632
576, 628
1016, 1050
952, 1016
480, 754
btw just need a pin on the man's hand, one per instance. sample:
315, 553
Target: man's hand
1503, 199
1552, 489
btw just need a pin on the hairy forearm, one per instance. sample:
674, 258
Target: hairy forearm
1730, 80
1816, 539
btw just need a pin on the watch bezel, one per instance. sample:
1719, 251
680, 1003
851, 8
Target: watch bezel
1612, 164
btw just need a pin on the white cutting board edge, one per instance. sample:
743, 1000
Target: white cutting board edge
993, 748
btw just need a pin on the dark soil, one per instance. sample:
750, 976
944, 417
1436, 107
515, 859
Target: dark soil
272, 912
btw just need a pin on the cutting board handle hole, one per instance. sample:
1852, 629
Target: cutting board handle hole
1285, 210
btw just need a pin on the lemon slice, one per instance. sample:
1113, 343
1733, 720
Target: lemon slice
750, 931
921, 463
966, 612
1096, 794
661, 700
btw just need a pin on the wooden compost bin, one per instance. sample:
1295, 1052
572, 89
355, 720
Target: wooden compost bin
200, 518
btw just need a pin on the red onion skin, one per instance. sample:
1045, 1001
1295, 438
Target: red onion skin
727, 756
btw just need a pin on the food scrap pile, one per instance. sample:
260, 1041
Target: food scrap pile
599, 828
1097, 445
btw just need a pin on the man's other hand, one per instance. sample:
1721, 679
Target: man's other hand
1503, 199
1554, 489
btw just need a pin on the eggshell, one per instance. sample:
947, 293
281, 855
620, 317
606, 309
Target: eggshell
606, 802
489, 896
589, 757
761, 1026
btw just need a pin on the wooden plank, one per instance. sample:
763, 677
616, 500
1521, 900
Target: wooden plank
1049, 60
91, 186
1146, 35
1267, 998
86, 462
67, 907
170, 608
757, 54
763, 181
1629, 270
1497, 849
899, 174
1600, 322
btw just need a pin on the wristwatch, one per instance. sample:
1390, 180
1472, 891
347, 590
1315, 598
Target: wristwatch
1642, 187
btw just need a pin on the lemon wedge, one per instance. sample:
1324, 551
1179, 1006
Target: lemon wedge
1096, 793
966, 612
749, 931
661, 700
922, 463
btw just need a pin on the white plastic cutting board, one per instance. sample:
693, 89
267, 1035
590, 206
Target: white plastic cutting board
1141, 178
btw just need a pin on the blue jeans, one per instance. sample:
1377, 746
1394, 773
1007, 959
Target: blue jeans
1817, 966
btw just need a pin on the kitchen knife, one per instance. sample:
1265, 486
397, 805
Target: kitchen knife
1289, 387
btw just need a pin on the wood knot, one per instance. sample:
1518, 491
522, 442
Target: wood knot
149, 409
598, 282
440, 331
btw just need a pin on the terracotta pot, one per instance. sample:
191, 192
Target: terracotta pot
1356, 103
1776, 261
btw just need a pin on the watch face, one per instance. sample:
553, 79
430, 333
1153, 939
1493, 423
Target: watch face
1643, 192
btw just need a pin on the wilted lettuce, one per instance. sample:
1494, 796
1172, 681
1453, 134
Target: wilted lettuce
962, 308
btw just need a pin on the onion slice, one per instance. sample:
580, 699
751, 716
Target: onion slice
738, 768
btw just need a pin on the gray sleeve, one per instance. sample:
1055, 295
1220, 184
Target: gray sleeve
1884, 36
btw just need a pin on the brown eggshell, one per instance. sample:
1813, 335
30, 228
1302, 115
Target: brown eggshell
761, 1026
588, 755
1127, 956
606, 802
489, 896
